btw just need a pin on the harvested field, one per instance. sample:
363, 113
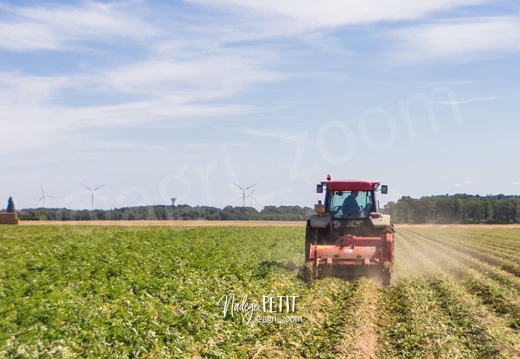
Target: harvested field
160, 291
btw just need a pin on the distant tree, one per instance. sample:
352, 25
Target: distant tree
10, 205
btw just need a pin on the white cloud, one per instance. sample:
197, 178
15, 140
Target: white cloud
16, 87
27, 121
32, 117
311, 14
58, 27
27, 36
28, 126
205, 76
460, 39
191, 73
466, 39
184, 76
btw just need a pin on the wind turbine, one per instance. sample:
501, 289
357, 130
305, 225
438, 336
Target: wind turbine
252, 196
93, 192
44, 196
244, 192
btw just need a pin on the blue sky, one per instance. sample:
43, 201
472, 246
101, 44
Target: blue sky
161, 99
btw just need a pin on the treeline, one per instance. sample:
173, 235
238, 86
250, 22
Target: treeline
181, 212
459, 208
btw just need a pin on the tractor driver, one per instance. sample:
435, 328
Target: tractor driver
350, 206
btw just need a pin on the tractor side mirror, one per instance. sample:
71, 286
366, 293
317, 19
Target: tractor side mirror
319, 188
384, 189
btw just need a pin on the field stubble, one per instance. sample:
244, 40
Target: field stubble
154, 291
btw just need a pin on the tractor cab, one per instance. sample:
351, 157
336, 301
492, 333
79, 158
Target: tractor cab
349, 198
350, 204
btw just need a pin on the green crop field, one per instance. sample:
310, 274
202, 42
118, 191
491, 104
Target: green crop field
237, 292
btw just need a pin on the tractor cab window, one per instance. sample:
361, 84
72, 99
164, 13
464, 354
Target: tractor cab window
350, 204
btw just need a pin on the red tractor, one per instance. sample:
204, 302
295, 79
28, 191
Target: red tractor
349, 236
